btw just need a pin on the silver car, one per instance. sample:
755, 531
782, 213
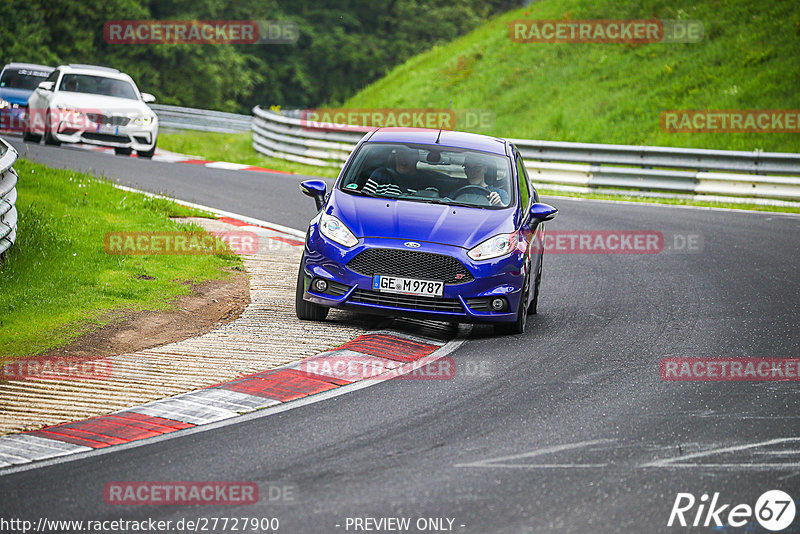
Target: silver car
94, 105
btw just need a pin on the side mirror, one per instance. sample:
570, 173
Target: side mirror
315, 189
46, 86
147, 98
543, 212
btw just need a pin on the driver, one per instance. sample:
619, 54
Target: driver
475, 167
398, 179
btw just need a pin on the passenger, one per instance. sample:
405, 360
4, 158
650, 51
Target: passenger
71, 84
475, 168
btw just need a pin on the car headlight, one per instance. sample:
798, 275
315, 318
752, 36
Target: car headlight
494, 247
66, 112
334, 229
143, 121
4, 104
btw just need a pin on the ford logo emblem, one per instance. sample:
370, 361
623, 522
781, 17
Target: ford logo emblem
411, 244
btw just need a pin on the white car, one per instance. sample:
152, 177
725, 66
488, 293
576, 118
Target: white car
95, 105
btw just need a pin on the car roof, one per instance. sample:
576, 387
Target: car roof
95, 70
28, 66
448, 138
80, 66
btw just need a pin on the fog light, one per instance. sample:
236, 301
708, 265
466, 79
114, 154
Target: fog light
498, 304
320, 285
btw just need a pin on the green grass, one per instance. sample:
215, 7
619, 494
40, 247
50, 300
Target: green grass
235, 148
58, 282
612, 93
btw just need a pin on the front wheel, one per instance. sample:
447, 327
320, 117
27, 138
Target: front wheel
147, 154
307, 311
28, 134
49, 138
518, 326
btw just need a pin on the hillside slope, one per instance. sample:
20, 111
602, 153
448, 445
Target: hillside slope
613, 93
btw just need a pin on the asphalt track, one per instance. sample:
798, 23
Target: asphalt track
568, 428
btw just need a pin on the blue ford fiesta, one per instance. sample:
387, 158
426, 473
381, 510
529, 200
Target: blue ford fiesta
439, 225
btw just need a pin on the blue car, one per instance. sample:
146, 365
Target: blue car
17, 83
432, 224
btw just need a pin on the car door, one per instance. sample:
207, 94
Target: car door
528, 229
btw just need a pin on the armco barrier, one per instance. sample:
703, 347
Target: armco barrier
8, 196
205, 120
659, 171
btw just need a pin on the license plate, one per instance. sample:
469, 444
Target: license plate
407, 286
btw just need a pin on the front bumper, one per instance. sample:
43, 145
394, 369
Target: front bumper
466, 302
135, 137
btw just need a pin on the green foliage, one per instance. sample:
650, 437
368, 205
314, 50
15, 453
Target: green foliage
612, 93
341, 48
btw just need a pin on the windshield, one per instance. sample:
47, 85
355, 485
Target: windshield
97, 85
430, 173
22, 78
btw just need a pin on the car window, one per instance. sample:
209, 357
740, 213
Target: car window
430, 173
524, 186
53, 76
22, 78
97, 85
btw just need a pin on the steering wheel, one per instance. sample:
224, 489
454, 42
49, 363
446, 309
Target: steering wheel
472, 190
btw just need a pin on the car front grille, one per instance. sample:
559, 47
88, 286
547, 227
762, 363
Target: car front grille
410, 264
108, 120
409, 302
107, 137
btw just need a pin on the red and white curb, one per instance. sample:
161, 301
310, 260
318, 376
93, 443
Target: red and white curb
383, 354
174, 157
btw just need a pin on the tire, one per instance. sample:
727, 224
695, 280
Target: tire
31, 138
146, 154
535, 300
122, 151
48, 137
307, 311
518, 326
28, 135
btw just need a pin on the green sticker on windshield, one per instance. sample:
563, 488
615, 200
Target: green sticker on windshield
351, 186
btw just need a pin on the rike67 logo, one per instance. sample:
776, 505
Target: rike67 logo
774, 511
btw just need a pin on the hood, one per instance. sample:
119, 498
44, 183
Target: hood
15, 96
101, 104
420, 221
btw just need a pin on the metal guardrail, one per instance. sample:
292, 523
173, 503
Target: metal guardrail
205, 120
8, 196
283, 136
654, 171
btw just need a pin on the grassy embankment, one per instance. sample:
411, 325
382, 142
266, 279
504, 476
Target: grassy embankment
58, 282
